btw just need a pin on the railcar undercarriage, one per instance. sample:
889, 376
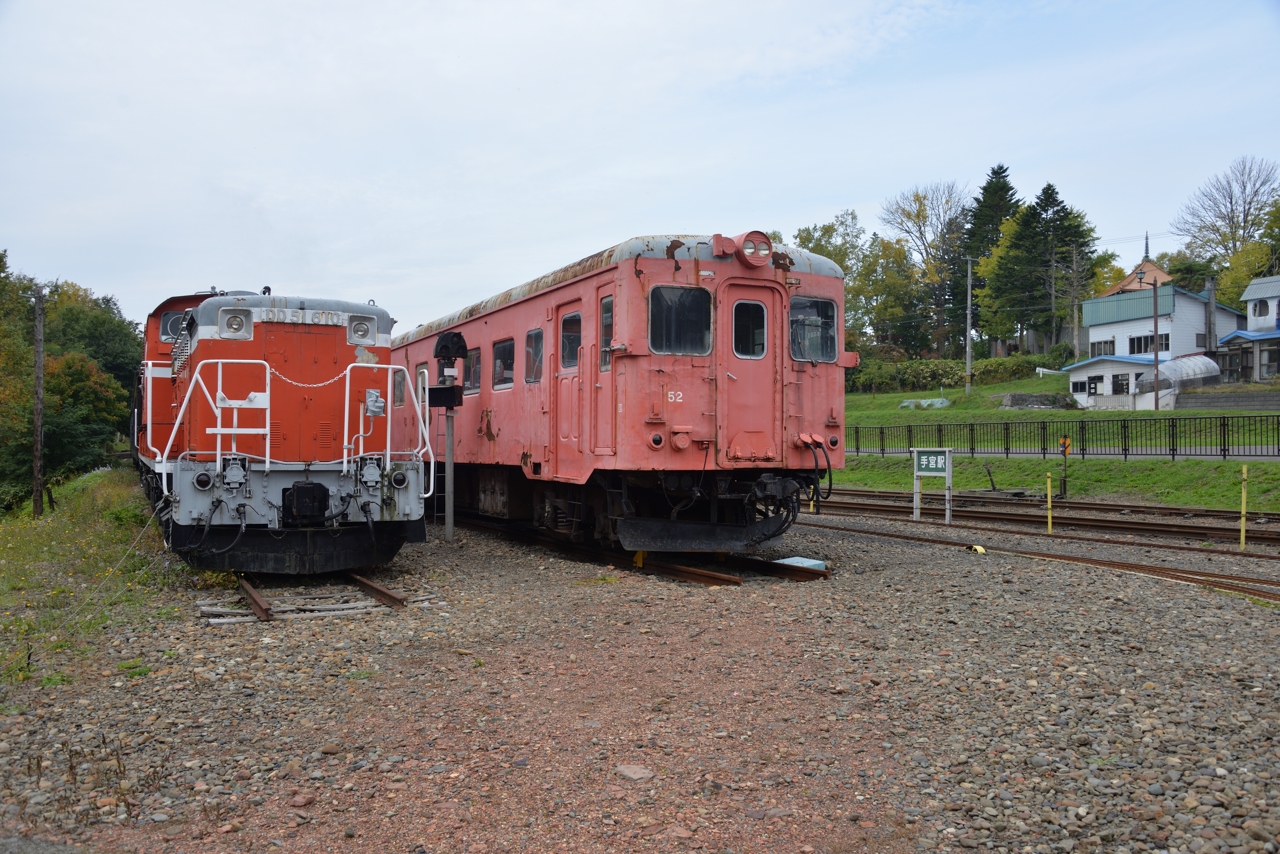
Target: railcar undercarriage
674, 511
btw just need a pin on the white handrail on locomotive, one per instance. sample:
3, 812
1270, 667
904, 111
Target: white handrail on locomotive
164, 467
423, 435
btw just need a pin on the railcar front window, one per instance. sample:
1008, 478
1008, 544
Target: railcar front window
813, 329
748, 330
570, 339
533, 356
471, 372
504, 363
680, 321
606, 333
170, 326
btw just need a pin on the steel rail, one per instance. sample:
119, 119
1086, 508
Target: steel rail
258, 604
1183, 576
1065, 503
391, 598
848, 508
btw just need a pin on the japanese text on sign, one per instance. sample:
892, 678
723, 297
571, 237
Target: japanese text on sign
931, 462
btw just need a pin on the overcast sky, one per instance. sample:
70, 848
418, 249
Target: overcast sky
428, 155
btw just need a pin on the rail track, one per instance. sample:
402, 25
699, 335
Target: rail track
838, 505
660, 564
1268, 591
968, 498
252, 605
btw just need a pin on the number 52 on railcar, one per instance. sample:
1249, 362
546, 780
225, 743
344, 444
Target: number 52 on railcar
673, 393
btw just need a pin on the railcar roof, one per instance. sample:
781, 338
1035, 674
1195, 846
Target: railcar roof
206, 313
679, 247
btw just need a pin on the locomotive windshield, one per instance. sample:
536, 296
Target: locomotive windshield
680, 321
813, 330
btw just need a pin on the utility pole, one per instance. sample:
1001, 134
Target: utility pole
968, 332
37, 411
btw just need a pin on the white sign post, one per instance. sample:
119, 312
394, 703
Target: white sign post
931, 462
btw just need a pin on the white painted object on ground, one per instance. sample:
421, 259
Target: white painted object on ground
806, 562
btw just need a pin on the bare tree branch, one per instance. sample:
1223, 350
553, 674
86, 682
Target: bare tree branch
1230, 209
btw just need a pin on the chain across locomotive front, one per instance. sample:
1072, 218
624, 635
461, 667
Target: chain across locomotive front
276, 454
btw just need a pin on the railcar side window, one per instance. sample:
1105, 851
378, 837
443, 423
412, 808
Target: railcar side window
813, 329
680, 321
606, 333
504, 363
471, 372
397, 389
748, 330
533, 356
570, 339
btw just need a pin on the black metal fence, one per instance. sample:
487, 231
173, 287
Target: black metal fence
1222, 436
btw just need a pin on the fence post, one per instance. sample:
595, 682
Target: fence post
910, 443
1006, 440
1124, 438
857, 442
881, 443
972, 443
1044, 440
1173, 439
1083, 427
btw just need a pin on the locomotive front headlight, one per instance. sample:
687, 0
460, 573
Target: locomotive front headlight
748, 247
360, 329
762, 249
235, 323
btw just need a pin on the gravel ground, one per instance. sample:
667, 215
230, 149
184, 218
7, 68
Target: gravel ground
923, 698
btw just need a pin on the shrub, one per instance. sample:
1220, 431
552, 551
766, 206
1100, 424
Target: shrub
875, 375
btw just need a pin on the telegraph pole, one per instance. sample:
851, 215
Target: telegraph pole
37, 412
968, 333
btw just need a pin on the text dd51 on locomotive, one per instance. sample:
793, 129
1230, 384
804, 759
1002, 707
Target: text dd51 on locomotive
263, 437
672, 393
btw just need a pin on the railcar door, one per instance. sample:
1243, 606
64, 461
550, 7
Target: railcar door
749, 381
570, 462
602, 410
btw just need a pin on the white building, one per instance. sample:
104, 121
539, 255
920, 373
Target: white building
1253, 351
1121, 343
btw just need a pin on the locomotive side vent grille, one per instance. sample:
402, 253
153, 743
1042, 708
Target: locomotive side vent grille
277, 434
324, 436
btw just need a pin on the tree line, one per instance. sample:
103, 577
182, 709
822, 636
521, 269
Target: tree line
1033, 262
92, 353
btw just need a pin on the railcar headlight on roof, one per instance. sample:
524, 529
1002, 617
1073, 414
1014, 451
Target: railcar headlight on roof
235, 324
755, 248
362, 330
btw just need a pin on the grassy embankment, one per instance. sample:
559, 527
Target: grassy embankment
62, 577
1193, 483
875, 410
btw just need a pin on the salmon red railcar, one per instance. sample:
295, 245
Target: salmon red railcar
262, 434
668, 393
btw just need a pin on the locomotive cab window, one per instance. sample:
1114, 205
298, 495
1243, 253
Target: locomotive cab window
680, 321
606, 333
504, 363
748, 330
170, 326
570, 339
813, 329
471, 372
533, 356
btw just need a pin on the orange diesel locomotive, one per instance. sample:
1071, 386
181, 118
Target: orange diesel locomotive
675, 393
262, 434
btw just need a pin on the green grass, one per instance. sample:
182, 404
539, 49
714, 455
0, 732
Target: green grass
876, 410
68, 573
1189, 483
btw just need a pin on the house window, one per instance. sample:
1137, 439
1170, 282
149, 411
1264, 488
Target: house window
1142, 344
1095, 383
533, 356
1119, 383
471, 372
1201, 340
1270, 363
1102, 348
1261, 308
504, 363
1080, 387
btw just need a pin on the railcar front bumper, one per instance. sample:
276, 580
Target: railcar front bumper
666, 535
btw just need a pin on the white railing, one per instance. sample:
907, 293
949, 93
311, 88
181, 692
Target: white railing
218, 401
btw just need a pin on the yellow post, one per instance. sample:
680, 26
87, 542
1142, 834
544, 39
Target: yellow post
1048, 491
1244, 500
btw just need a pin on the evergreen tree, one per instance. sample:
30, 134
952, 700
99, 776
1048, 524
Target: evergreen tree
996, 203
